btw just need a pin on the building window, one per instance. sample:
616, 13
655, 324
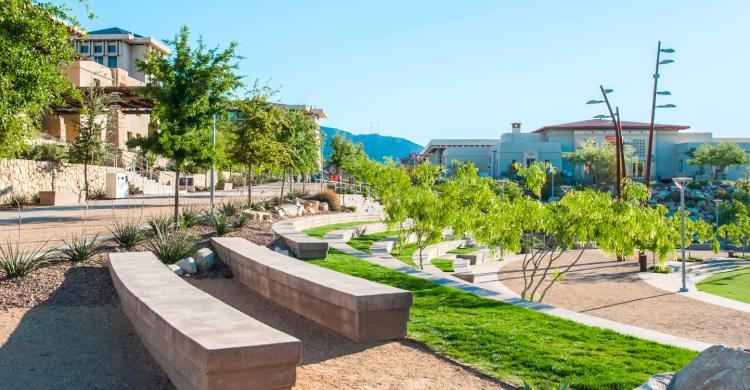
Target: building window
84, 49
681, 165
99, 60
112, 61
112, 48
98, 49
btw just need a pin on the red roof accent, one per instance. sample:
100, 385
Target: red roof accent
601, 124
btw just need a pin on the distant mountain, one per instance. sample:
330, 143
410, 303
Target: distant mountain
377, 146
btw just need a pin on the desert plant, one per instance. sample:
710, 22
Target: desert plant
97, 194
219, 222
17, 262
351, 208
160, 223
19, 200
240, 221
229, 208
170, 247
190, 217
79, 248
127, 234
329, 196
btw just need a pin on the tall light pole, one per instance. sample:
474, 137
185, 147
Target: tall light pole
213, 164
659, 61
681, 183
618, 137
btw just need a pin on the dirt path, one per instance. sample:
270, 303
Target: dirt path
601, 286
329, 361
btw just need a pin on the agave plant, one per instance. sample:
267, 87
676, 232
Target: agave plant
127, 235
229, 208
219, 222
240, 221
160, 223
170, 247
79, 248
190, 217
17, 262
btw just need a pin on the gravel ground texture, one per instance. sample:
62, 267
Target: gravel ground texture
601, 286
329, 361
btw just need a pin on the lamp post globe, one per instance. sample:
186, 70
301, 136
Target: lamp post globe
681, 183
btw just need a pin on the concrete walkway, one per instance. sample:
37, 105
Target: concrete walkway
497, 292
696, 272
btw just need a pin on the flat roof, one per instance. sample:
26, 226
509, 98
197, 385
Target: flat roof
117, 33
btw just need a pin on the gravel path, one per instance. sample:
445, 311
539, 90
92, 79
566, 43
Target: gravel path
329, 361
601, 286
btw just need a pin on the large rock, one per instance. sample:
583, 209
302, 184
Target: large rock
204, 259
657, 382
718, 367
188, 265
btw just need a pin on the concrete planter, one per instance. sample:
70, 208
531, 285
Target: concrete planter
223, 186
57, 198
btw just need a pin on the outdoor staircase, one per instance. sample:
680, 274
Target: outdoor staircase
148, 186
710, 267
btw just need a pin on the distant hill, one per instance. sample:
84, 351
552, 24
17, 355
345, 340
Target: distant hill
377, 146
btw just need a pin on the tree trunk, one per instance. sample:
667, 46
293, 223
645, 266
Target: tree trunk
283, 182
250, 184
86, 178
176, 198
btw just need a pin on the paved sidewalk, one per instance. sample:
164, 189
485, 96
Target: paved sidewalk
381, 257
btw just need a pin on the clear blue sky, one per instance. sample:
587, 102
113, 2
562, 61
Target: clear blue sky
453, 69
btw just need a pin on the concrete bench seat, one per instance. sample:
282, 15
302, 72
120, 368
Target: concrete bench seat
356, 308
356, 231
309, 248
199, 341
471, 257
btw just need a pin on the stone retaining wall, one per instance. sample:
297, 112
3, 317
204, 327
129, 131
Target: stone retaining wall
29, 177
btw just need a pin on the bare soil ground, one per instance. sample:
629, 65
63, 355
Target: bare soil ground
601, 286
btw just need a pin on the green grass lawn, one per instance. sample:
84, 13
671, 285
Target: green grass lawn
444, 265
515, 344
463, 250
321, 231
731, 284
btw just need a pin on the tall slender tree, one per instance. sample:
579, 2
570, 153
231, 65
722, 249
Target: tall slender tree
188, 88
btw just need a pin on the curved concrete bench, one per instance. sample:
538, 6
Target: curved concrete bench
355, 308
199, 341
355, 231
308, 248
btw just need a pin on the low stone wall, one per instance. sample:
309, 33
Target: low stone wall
310, 248
356, 308
199, 341
29, 177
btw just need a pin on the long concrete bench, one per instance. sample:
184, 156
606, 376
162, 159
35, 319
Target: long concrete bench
355, 231
355, 308
199, 341
308, 248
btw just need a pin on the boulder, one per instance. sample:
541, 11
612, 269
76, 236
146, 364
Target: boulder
718, 367
188, 265
257, 215
292, 210
204, 259
176, 269
657, 382
323, 206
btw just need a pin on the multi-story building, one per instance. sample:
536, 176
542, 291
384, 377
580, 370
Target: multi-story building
107, 58
670, 155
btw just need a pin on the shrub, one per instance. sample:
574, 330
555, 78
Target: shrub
351, 208
19, 200
160, 223
133, 190
97, 194
127, 235
237, 180
219, 222
190, 217
20, 262
329, 196
240, 221
170, 247
47, 152
201, 189
36, 199
79, 248
229, 208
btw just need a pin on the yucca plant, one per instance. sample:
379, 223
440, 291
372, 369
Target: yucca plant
18, 262
229, 208
19, 200
219, 222
79, 248
127, 234
170, 247
240, 221
160, 223
190, 217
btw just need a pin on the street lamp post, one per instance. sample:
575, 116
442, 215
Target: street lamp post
649, 151
681, 183
618, 136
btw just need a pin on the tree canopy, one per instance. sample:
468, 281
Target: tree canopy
719, 156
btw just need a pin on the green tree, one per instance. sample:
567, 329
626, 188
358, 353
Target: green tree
598, 159
301, 136
737, 232
188, 88
344, 152
425, 208
35, 43
89, 145
253, 139
719, 156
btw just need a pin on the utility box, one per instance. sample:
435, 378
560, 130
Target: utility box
117, 185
